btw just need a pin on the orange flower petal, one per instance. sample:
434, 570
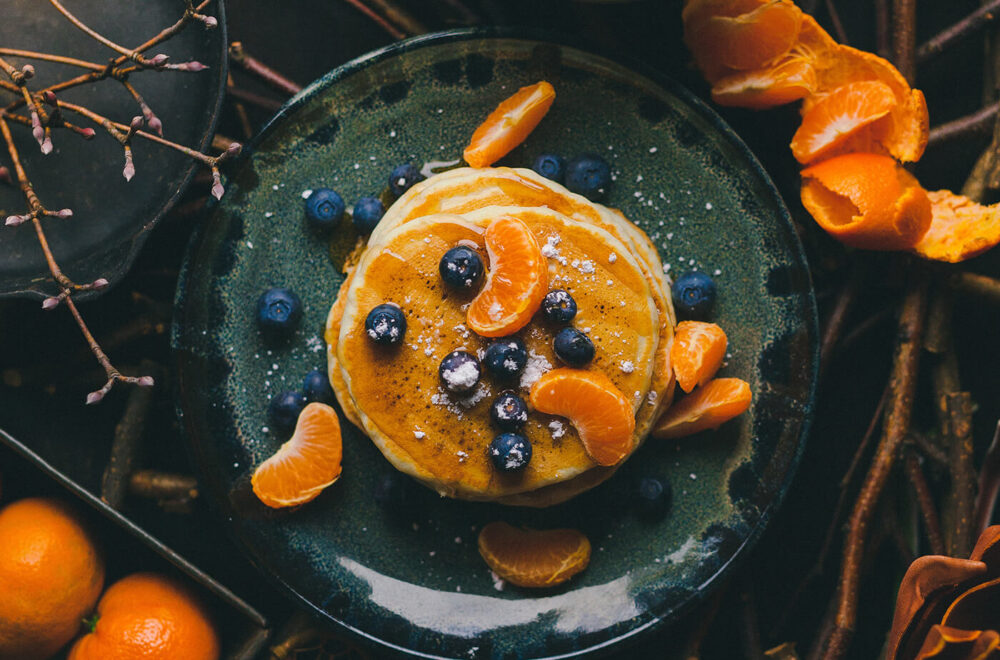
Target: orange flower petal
960, 228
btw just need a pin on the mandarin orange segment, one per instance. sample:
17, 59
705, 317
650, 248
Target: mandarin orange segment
867, 201
708, 407
960, 228
531, 557
839, 116
601, 414
306, 464
515, 284
789, 80
697, 353
722, 43
508, 125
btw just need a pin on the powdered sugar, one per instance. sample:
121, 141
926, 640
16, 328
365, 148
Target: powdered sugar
557, 429
535, 368
461, 377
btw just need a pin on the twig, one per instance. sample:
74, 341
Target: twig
904, 379
976, 124
156, 485
929, 449
250, 64
703, 624
904, 37
134, 55
124, 447
381, 22
882, 44
838, 26
261, 102
978, 286
961, 500
749, 623
989, 486
241, 111
972, 23
46, 57
925, 501
396, 14
838, 316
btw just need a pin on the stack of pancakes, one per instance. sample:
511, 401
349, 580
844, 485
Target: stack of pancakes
393, 393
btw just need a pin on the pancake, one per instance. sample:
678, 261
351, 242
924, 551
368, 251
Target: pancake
441, 438
466, 189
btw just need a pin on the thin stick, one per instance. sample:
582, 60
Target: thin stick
47, 57
261, 102
980, 286
969, 25
989, 486
929, 449
882, 45
125, 445
241, 111
131, 54
838, 316
976, 124
399, 16
925, 501
378, 20
958, 407
250, 64
904, 380
904, 37
838, 27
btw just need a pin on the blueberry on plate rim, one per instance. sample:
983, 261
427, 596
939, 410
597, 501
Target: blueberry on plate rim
510, 452
461, 267
508, 411
284, 408
403, 177
459, 372
558, 306
573, 347
367, 213
506, 357
324, 209
551, 166
316, 387
694, 295
386, 324
652, 496
588, 175
278, 311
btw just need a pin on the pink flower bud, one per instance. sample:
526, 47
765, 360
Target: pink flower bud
50, 97
129, 170
136, 123
50, 303
234, 149
65, 213
94, 397
46, 146
217, 189
159, 60
88, 133
28, 71
210, 21
99, 283
5, 175
146, 381
15, 220
155, 124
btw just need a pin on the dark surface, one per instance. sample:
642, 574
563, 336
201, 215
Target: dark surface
112, 217
305, 39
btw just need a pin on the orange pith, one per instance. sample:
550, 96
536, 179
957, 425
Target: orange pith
515, 284
710, 405
306, 464
697, 353
533, 558
50, 577
509, 124
150, 617
867, 201
601, 414
960, 228
787, 81
840, 116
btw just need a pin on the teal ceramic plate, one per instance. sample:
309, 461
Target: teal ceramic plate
409, 577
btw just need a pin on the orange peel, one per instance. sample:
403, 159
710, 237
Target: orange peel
960, 228
867, 201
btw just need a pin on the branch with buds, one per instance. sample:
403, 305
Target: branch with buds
45, 112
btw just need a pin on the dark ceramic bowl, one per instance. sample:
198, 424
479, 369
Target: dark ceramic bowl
408, 577
128, 548
112, 217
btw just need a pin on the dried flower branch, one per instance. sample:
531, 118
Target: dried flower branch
46, 111
238, 54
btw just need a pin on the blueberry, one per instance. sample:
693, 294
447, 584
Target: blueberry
278, 311
324, 209
284, 409
694, 295
551, 166
459, 371
386, 324
367, 212
510, 452
505, 358
588, 175
573, 347
509, 411
316, 387
558, 306
461, 267
403, 177
652, 497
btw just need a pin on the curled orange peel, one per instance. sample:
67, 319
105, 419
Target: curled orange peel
960, 229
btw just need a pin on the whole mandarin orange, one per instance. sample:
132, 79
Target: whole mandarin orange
151, 617
50, 577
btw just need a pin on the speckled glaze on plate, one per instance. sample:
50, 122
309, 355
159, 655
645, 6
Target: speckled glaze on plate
409, 578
